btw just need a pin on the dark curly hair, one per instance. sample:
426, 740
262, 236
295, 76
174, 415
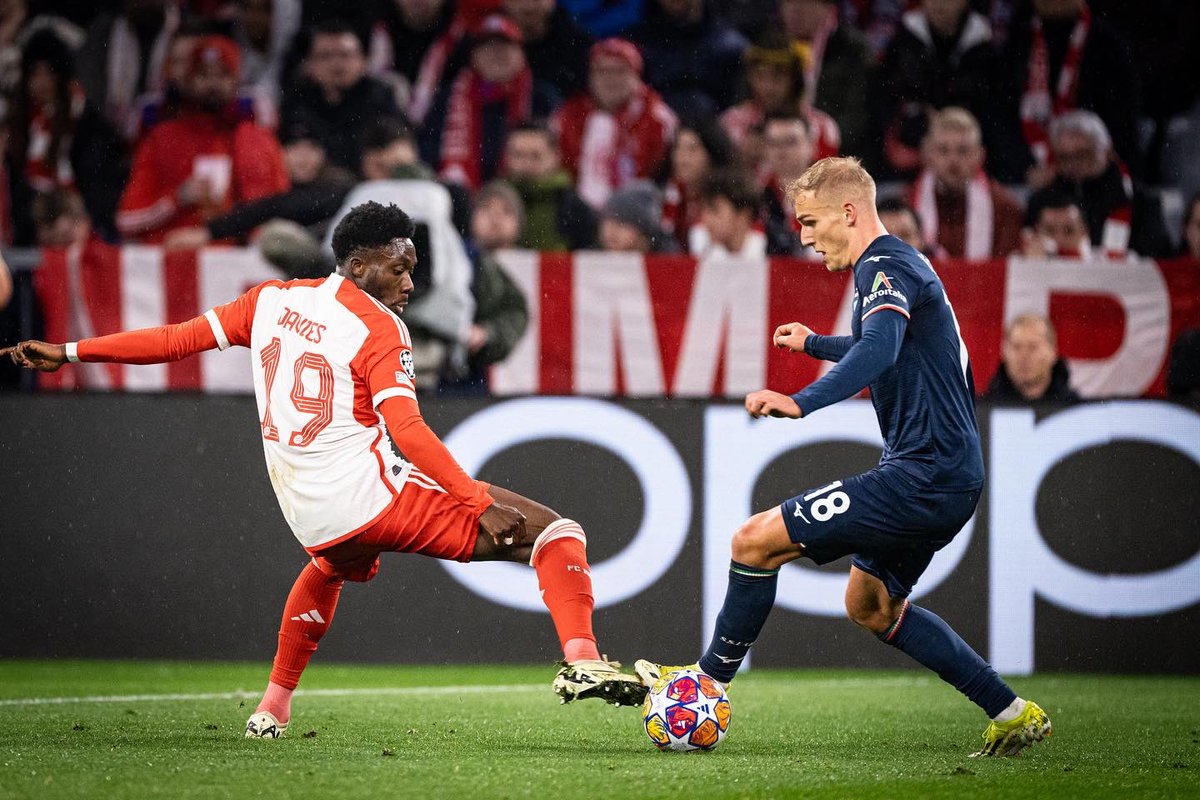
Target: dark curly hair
368, 226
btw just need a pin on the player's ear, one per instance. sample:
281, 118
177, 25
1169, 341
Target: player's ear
849, 213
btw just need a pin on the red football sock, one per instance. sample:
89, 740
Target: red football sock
560, 558
306, 617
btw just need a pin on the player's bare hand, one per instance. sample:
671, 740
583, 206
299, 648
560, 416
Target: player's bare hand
37, 355
504, 524
792, 336
765, 403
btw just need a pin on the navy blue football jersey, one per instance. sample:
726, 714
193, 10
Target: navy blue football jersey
924, 395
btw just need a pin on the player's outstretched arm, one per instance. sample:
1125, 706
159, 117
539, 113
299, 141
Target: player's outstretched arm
32, 354
883, 333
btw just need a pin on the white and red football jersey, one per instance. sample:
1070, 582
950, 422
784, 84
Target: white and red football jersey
333, 373
325, 354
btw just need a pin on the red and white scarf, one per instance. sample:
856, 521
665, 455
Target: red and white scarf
613, 148
462, 133
979, 217
1037, 107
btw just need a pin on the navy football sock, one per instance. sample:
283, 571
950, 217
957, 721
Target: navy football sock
748, 602
927, 638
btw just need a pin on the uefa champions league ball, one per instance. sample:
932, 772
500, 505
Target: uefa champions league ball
686, 710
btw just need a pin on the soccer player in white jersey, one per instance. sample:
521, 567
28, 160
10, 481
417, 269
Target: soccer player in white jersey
333, 375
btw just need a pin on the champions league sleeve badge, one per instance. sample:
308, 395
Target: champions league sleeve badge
406, 361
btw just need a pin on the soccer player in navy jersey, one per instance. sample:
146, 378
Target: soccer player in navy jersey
906, 347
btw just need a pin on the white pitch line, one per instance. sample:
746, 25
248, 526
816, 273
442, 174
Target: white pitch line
242, 694
418, 691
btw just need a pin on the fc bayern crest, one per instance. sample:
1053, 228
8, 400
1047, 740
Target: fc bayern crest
406, 361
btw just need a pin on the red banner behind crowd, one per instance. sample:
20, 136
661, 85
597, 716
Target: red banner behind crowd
620, 324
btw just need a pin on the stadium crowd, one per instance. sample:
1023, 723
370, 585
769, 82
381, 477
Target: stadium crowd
1043, 127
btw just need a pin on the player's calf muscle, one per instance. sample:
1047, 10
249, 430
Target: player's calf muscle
870, 607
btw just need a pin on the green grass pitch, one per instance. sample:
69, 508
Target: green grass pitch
497, 732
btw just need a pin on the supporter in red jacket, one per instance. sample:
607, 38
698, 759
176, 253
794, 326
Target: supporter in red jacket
206, 160
617, 131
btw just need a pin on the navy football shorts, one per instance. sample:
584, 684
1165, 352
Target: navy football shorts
891, 527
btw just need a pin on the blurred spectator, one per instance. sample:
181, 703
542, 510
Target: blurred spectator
405, 33
1059, 230
387, 144
619, 130
1120, 215
965, 212
464, 132
941, 56
556, 218
838, 69
555, 47
690, 56
58, 140
1183, 368
18, 26
1189, 241
498, 217
878, 20
154, 107
440, 313
604, 18
336, 97
501, 313
775, 77
630, 221
787, 152
206, 160
1030, 367
391, 152
903, 222
698, 148
124, 56
265, 29
1064, 59
317, 191
60, 219
729, 216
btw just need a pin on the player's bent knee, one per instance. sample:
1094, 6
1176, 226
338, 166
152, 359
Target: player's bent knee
751, 545
562, 528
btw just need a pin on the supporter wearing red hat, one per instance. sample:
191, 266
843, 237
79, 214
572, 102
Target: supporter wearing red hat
204, 161
497, 26
618, 130
469, 121
212, 74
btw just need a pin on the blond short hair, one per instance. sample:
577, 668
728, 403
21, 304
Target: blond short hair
838, 179
956, 120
